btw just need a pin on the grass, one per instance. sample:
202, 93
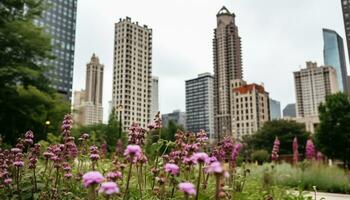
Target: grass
327, 179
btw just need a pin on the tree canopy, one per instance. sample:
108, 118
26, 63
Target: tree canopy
26, 100
333, 133
285, 130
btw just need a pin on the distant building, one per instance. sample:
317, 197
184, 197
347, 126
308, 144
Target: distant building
200, 104
176, 116
312, 85
59, 21
78, 108
155, 97
275, 109
88, 103
334, 56
289, 111
132, 73
227, 56
346, 17
250, 107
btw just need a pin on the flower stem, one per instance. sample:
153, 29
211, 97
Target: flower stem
217, 191
127, 182
199, 180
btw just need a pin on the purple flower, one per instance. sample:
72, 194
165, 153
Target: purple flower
93, 177
214, 167
133, 150
68, 175
109, 188
94, 157
113, 176
18, 163
310, 150
172, 169
8, 181
187, 188
236, 151
16, 150
200, 157
275, 149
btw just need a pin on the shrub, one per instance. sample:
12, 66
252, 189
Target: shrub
260, 156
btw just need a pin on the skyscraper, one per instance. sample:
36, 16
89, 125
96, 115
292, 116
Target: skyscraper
59, 21
155, 97
132, 72
176, 116
249, 107
275, 109
289, 111
88, 103
312, 85
227, 67
334, 56
346, 15
200, 104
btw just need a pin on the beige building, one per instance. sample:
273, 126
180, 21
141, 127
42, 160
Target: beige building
312, 85
227, 67
249, 107
88, 104
132, 72
155, 97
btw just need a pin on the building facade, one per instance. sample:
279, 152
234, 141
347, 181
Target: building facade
289, 111
227, 66
132, 72
59, 21
176, 116
250, 107
155, 97
334, 56
275, 109
200, 104
88, 102
312, 85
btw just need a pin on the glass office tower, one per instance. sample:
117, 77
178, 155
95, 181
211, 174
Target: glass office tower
333, 54
59, 21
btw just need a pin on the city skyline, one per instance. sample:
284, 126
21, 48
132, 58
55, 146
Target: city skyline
174, 61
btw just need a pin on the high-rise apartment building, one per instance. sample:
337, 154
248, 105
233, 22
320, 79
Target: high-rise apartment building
227, 66
346, 16
312, 85
88, 104
132, 72
250, 107
59, 21
334, 56
176, 116
275, 109
289, 111
155, 97
200, 104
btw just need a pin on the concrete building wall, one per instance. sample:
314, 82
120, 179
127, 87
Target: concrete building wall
132, 72
200, 105
250, 108
227, 66
155, 97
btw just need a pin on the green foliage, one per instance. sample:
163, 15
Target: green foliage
327, 179
101, 133
285, 130
260, 156
26, 100
333, 133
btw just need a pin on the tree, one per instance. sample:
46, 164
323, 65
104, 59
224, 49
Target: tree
26, 100
285, 130
333, 133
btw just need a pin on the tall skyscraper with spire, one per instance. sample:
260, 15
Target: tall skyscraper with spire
227, 67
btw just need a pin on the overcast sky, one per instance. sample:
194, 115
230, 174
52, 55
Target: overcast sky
278, 36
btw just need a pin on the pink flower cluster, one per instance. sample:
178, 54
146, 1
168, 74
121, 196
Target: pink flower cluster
136, 134
187, 188
310, 151
275, 149
172, 169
